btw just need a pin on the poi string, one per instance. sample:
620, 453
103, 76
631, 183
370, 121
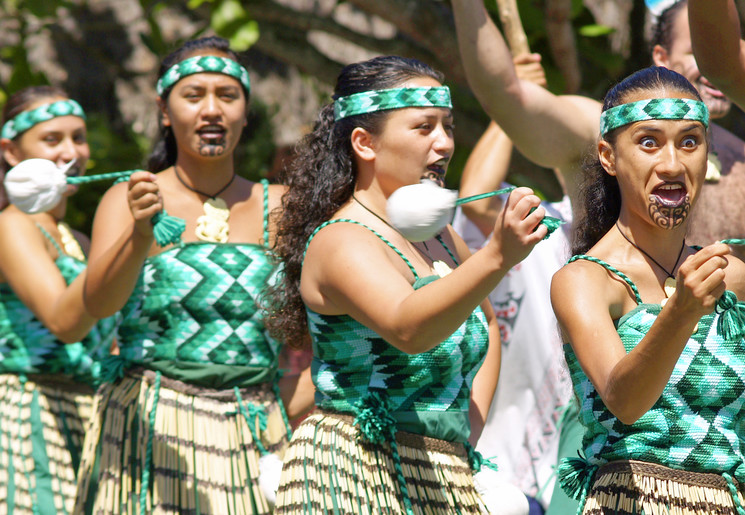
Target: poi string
166, 229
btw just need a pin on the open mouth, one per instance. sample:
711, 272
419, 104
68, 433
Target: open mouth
213, 133
436, 172
670, 194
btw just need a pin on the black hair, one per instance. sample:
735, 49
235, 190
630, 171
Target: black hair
322, 178
662, 34
599, 195
164, 151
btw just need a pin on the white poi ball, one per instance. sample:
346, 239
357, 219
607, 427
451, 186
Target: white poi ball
35, 185
421, 211
270, 470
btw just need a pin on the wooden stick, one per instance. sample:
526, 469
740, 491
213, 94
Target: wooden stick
513, 27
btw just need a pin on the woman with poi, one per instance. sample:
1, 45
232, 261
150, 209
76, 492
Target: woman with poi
191, 408
405, 348
654, 330
50, 347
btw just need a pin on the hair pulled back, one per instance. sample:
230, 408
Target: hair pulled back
164, 151
322, 178
662, 34
599, 194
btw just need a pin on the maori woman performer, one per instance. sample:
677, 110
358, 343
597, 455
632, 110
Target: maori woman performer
405, 348
46, 385
191, 405
654, 328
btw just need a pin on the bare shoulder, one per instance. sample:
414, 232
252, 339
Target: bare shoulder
582, 281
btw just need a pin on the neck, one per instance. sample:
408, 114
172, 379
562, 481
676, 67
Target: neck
206, 180
662, 245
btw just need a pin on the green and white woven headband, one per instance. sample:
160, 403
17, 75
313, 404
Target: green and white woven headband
396, 98
653, 109
27, 119
203, 64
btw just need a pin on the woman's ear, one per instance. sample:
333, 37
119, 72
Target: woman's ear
607, 157
165, 120
11, 152
363, 144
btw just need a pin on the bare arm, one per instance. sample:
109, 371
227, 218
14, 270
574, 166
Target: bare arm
122, 237
485, 170
360, 280
548, 129
35, 279
630, 383
298, 393
719, 52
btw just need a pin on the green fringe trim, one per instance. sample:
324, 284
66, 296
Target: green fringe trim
731, 323
477, 461
575, 477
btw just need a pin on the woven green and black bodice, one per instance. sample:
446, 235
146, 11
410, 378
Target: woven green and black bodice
427, 393
194, 314
27, 347
697, 422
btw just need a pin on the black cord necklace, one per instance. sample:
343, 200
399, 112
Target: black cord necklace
213, 225
192, 188
426, 248
637, 247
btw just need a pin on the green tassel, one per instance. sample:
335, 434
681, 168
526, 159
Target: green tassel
377, 425
731, 323
574, 475
551, 224
476, 460
167, 229
113, 368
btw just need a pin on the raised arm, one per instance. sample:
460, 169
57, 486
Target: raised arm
550, 130
719, 51
35, 279
121, 239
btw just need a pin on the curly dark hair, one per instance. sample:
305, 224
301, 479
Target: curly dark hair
163, 154
599, 194
322, 178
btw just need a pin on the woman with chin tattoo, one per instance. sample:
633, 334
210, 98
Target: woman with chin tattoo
653, 328
189, 418
405, 345
50, 347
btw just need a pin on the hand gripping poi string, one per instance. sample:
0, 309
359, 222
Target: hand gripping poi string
421, 211
37, 185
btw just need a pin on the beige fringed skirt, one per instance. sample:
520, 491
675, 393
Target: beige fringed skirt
328, 470
42, 425
178, 448
636, 487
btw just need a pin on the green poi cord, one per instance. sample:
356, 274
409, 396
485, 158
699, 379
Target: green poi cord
167, 229
550, 222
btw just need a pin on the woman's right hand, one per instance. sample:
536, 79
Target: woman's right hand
518, 228
144, 199
700, 281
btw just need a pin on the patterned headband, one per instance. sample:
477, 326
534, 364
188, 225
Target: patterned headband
653, 109
27, 119
382, 99
202, 64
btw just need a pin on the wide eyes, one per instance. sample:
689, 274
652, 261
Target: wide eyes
689, 142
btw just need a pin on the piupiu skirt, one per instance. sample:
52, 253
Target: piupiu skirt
43, 419
636, 487
177, 448
329, 470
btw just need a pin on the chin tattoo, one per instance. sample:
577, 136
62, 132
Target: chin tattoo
212, 149
668, 217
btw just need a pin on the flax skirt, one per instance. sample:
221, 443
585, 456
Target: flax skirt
42, 425
178, 448
327, 470
636, 487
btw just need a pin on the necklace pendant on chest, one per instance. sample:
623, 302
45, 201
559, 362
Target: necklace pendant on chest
213, 225
669, 287
441, 268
